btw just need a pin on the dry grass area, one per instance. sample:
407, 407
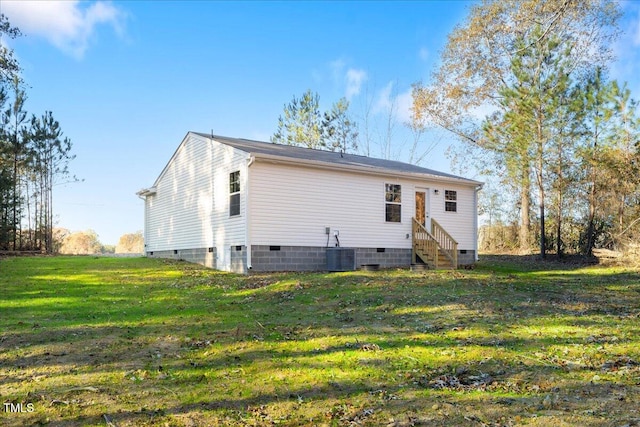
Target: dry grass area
88, 341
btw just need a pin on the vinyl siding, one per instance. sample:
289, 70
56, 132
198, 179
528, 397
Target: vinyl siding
179, 213
191, 206
292, 205
227, 231
460, 224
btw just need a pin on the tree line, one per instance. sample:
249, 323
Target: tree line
34, 157
303, 124
88, 243
561, 135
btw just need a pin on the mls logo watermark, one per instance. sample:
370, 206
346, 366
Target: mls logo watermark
18, 408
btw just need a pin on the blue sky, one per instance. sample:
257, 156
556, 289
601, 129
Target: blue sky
128, 80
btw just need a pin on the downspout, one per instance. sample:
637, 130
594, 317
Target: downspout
213, 236
247, 209
145, 229
475, 222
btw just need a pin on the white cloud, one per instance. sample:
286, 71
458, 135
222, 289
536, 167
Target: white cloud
389, 101
337, 69
355, 78
423, 53
384, 101
68, 25
349, 78
404, 102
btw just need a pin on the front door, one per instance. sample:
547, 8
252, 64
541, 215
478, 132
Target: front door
422, 208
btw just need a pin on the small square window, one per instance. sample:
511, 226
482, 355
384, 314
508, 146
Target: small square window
393, 193
234, 204
392, 213
450, 201
234, 182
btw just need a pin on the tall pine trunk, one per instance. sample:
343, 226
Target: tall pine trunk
525, 208
559, 225
591, 220
540, 180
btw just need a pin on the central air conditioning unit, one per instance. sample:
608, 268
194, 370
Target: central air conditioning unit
341, 259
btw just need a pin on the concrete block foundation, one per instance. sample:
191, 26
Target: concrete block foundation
203, 256
297, 258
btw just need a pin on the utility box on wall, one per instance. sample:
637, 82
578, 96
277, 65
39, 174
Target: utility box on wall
341, 259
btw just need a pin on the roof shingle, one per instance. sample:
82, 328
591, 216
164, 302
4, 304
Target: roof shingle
329, 157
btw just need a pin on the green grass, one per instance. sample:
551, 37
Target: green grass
94, 341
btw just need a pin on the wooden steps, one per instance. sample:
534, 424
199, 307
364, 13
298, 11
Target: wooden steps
444, 261
437, 249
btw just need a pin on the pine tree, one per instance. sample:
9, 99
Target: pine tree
531, 106
477, 69
301, 123
51, 157
338, 129
16, 141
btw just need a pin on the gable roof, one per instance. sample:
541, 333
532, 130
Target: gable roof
331, 158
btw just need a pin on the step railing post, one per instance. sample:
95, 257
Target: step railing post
446, 242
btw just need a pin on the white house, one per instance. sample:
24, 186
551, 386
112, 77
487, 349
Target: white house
238, 205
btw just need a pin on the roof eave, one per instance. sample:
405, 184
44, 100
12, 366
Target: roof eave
363, 169
147, 192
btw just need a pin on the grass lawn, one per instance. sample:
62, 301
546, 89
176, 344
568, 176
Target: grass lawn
132, 342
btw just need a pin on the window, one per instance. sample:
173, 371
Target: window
234, 193
450, 201
393, 199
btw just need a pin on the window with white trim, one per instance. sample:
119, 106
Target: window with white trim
234, 193
393, 202
450, 201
